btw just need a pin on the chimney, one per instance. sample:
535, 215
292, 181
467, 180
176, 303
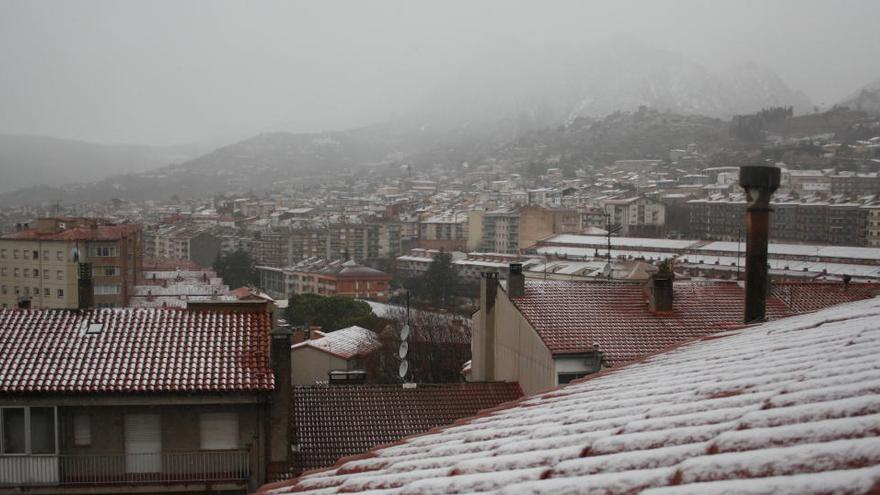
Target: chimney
279, 403
516, 281
660, 291
759, 182
488, 293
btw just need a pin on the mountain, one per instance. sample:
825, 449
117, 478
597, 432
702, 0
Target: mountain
37, 160
866, 99
529, 87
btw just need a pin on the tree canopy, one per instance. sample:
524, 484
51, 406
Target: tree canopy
440, 281
330, 313
236, 269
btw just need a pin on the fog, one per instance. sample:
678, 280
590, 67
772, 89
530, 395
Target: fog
166, 72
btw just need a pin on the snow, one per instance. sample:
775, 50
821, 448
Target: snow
790, 406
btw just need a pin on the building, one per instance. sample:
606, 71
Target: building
138, 400
746, 411
448, 231
636, 216
70, 263
313, 359
469, 267
542, 333
326, 278
337, 421
509, 230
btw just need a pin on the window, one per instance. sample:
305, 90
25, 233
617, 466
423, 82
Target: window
17, 291
106, 289
82, 430
17, 273
3, 254
15, 253
46, 254
28, 430
105, 251
36, 273
563, 378
35, 255
12, 424
46, 292
46, 274
59, 255
218, 431
60, 293
4, 271
59, 274
105, 271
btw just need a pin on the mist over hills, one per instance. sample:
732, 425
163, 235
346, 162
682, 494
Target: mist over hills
866, 99
492, 104
535, 87
38, 160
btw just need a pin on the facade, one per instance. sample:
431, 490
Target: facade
326, 278
448, 232
341, 350
637, 216
141, 400
70, 263
507, 230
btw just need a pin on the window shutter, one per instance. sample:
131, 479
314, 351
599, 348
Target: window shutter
82, 430
219, 431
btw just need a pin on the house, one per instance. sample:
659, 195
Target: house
329, 422
543, 333
342, 350
139, 400
788, 406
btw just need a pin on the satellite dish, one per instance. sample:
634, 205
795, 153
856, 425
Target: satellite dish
404, 348
404, 332
404, 367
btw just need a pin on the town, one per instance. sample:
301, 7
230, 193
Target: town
581, 265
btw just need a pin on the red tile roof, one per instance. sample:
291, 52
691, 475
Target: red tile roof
335, 421
100, 233
136, 350
789, 406
571, 316
345, 343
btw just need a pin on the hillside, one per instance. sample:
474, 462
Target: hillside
866, 99
37, 160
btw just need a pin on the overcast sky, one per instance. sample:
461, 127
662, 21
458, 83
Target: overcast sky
163, 72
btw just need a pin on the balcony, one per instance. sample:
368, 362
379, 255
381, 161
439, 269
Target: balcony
116, 468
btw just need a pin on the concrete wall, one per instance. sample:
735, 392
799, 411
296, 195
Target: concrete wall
310, 365
520, 354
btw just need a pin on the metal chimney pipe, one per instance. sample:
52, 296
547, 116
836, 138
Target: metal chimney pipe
759, 182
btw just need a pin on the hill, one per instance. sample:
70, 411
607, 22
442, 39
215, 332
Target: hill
37, 160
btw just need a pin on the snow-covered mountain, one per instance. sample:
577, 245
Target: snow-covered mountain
543, 86
867, 99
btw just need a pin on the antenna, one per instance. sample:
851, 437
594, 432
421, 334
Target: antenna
402, 352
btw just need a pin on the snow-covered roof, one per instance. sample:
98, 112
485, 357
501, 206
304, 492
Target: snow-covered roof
790, 406
345, 343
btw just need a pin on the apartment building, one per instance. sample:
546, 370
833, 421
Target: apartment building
637, 216
69, 263
448, 231
326, 278
508, 230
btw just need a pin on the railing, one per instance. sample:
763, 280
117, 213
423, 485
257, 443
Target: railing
189, 466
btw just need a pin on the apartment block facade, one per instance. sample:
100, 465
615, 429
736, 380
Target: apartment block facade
69, 263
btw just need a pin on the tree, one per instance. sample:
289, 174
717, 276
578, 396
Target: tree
438, 346
236, 269
329, 313
440, 281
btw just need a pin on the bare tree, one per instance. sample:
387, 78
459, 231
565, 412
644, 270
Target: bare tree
439, 344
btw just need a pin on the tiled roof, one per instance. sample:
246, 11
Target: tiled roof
344, 343
101, 233
571, 316
335, 421
789, 406
135, 350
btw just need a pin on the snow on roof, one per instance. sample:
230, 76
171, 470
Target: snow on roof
790, 406
345, 343
638, 242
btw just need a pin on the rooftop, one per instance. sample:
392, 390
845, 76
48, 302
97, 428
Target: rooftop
133, 350
345, 343
336, 421
790, 406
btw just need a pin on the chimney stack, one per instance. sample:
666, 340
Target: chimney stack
660, 291
516, 281
759, 182
488, 293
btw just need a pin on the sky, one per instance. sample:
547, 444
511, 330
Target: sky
169, 72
